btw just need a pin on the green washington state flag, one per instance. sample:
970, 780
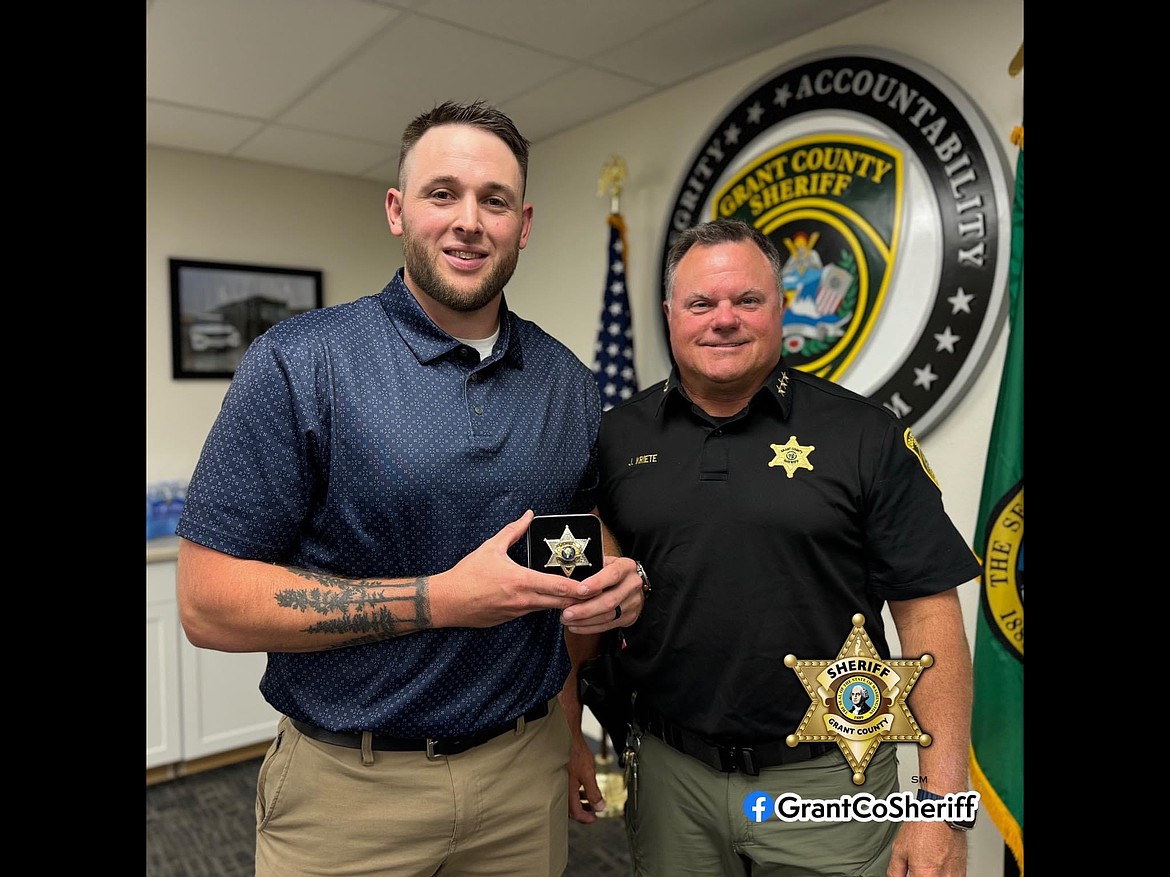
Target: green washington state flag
997, 720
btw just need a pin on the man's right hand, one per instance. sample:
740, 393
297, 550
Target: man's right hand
487, 587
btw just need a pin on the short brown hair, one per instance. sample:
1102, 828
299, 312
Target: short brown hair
477, 114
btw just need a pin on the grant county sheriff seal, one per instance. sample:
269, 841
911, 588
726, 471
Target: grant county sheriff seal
888, 198
858, 700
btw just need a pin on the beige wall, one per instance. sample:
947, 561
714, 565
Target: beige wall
222, 210
219, 209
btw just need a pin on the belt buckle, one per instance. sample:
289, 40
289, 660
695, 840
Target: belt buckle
747, 761
431, 756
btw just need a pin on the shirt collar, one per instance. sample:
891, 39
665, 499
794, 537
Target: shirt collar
778, 386
426, 340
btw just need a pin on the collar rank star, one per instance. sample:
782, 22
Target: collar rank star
792, 456
568, 552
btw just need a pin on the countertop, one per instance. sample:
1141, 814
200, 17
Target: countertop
160, 550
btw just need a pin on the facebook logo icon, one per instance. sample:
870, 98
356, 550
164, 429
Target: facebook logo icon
757, 806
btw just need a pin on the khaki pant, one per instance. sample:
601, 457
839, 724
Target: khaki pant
690, 819
497, 809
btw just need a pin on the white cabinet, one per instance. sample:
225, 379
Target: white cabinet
222, 705
164, 731
199, 702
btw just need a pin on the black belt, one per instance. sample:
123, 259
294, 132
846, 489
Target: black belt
728, 758
432, 746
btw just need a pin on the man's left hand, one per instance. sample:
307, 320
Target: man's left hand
928, 849
585, 800
610, 598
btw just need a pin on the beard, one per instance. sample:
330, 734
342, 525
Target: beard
423, 266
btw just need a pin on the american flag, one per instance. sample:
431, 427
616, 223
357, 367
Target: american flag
613, 354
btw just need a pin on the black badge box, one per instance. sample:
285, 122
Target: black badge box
568, 545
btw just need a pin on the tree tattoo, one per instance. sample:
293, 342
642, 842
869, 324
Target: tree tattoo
371, 613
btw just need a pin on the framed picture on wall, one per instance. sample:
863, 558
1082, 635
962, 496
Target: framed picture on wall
219, 308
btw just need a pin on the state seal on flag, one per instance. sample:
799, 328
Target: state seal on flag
1002, 596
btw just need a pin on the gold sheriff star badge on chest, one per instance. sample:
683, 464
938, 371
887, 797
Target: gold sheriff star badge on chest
792, 456
858, 700
568, 552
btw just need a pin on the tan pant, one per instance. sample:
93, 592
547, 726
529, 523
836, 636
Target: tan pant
690, 820
497, 809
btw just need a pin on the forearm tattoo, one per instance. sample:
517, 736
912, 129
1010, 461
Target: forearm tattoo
370, 612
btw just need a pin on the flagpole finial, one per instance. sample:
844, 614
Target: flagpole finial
613, 175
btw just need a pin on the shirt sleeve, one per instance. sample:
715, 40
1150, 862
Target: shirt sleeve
261, 462
915, 549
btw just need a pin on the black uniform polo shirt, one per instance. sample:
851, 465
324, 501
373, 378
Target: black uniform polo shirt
762, 535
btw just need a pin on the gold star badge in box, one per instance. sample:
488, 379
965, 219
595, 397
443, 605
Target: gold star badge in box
858, 700
566, 544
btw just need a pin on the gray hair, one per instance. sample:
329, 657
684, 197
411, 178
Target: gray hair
718, 231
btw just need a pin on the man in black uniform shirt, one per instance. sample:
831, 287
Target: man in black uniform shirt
767, 507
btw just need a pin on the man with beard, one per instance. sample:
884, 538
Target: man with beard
358, 513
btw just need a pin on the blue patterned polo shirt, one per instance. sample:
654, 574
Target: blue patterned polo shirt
363, 440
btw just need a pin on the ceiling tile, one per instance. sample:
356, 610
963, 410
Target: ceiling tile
718, 34
251, 57
411, 67
571, 99
575, 30
196, 130
308, 149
